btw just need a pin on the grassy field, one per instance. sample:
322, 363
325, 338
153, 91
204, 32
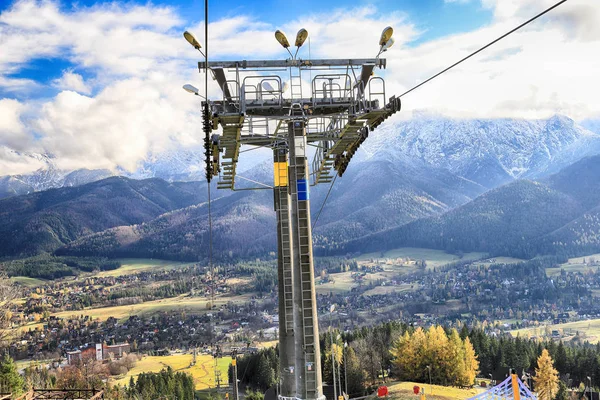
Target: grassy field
27, 281
575, 265
404, 390
203, 372
388, 289
181, 303
342, 282
591, 328
133, 265
434, 258
501, 260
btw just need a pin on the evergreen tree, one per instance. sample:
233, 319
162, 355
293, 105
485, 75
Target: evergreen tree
11, 380
546, 377
563, 393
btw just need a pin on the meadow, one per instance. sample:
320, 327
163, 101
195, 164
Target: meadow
591, 329
203, 372
135, 265
576, 264
434, 258
179, 304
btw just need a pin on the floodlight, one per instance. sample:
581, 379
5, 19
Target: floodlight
386, 35
191, 40
190, 89
301, 37
282, 39
387, 44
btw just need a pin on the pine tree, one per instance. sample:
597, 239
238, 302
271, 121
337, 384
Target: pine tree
563, 393
546, 377
12, 381
355, 373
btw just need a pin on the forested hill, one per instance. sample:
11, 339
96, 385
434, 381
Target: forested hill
46, 220
372, 196
560, 214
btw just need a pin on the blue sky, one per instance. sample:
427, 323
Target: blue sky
432, 19
98, 84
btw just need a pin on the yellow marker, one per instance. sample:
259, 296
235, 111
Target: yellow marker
515, 386
281, 173
233, 362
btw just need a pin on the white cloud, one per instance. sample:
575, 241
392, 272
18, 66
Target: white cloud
12, 129
72, 81
137, 61
14, 163
546, 68
120, 126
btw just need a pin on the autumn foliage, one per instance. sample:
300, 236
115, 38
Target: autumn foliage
546, 377
452, 360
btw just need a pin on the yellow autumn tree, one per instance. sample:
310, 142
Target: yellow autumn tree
407, 357
471, 364
437, 354
456, 351
452, 361
546, 377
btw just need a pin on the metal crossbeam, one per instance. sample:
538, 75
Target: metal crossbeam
246, 64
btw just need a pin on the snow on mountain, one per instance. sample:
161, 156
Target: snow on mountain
489, 152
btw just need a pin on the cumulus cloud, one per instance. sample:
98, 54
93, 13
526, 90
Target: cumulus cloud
72, 81
12, 129
136, 61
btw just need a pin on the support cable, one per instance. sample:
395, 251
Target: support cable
208, 171
486, 46
446, 70
324, 201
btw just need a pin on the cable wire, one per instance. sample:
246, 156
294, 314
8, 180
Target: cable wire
324, 201
485, 47
210, 242
446, 70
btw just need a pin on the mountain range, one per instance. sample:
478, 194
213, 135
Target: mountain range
559, 214
411, 182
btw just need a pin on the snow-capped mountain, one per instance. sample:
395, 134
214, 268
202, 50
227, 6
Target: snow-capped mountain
47, 175
489, 152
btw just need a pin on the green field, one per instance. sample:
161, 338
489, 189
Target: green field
576, 265
434, 258
388, 289
133, 265
27, 281
591, 329
180, 304
203, 372
342, 282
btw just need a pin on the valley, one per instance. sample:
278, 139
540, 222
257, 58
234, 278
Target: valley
501, 243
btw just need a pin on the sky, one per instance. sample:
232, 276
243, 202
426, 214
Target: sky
98, 84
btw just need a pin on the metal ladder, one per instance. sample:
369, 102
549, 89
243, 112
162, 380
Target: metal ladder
296, 83
286, 256
308, 321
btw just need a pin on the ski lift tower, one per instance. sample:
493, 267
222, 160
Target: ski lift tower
333, 112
